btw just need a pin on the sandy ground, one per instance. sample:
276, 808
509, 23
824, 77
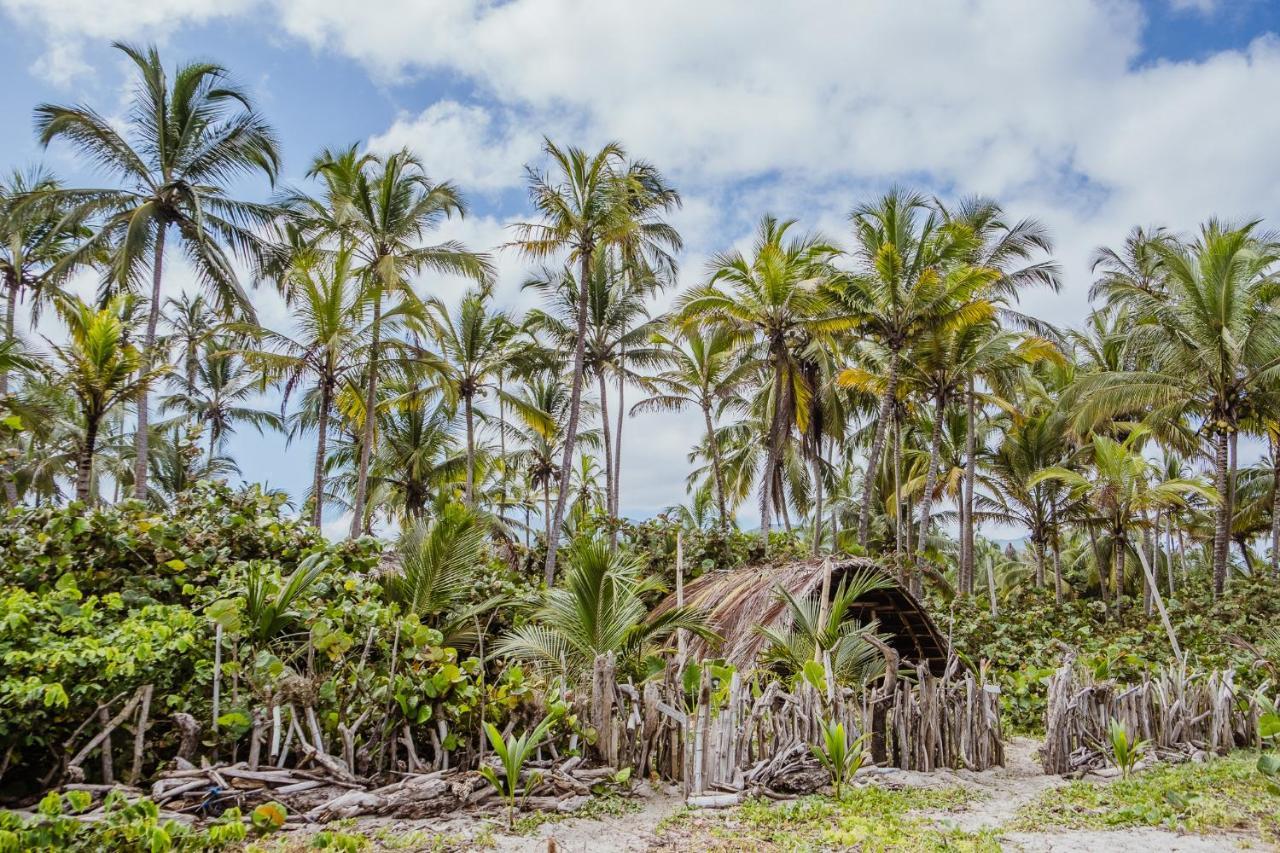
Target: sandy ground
1002, 791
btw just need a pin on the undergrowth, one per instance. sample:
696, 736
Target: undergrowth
1223, 795
870, 818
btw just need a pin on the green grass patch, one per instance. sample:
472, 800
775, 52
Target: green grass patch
870, 818
1228, 794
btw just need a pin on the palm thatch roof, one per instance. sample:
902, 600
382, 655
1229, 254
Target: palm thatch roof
736, 601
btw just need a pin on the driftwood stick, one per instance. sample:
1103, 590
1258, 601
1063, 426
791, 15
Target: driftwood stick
140, 737
107, 729
108, 769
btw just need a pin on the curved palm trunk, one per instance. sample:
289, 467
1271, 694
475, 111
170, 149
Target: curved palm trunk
717, 472
575, 411
141, 439
370, 405
322, 435
877, 447
967, 527
1222, 527
471, 451
931, 478
84, 465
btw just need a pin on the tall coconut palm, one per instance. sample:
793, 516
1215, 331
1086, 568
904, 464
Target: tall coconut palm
476, 346
188, 140
911, 273
328, 304
777, 307
1020, 253
382, 207
219, 396
619, 341
705, 371
589, 203
100, 367
1205, 342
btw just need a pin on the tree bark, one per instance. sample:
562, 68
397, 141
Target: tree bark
931, 477
717, 472
968, 526
84, 468
11, 307
322, 435
773, 442
471, 451
370, 419
575, 411
1057, 555
877, 447
617, 438
607, 431
1222, 528
141, 439
1275, 507
1118, 548
817, 509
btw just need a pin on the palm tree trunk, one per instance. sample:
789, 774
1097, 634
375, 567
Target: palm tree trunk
817, 506
617, 438
608, 451
717, 472
322, 435
773, 443
1118, 555
141, 439
931, 477
84, 466
10, 311
1275, 506
1233, 447
1037, 547
1057, 555
546, 508
898, 520
370, 418
968, 525
471, 451
1222, 527
991, 585
1102, 570
575, 411
877, 447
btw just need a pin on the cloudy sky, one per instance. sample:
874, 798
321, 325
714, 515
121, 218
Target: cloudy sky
1092, 116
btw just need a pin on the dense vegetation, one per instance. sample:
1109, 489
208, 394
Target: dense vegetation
875, 393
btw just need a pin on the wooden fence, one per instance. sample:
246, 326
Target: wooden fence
1178, 710
757, 735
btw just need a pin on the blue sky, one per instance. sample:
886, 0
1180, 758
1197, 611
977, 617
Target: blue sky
1093, 116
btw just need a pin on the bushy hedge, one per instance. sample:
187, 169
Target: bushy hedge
1022, 641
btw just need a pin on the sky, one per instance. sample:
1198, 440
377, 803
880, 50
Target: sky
1090, 116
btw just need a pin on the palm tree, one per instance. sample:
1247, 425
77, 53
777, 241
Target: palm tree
188, 142
705, 371
777, 308
1123, 490
599, 610
382, 207
592, 202
1205, 342
218, 396
100, 367
327, 304
912, 273
476, 347
619, 339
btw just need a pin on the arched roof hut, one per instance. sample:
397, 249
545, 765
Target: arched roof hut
738, 600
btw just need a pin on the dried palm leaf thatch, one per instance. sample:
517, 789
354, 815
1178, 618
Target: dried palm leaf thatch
736, 602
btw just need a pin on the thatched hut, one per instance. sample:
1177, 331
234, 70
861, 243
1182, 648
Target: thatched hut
736, 601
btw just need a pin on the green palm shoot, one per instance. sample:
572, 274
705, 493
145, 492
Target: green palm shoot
1125, 749
840, 756
513, 752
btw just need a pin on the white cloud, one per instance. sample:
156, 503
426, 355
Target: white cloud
464, 143
68, 24
1204, 7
